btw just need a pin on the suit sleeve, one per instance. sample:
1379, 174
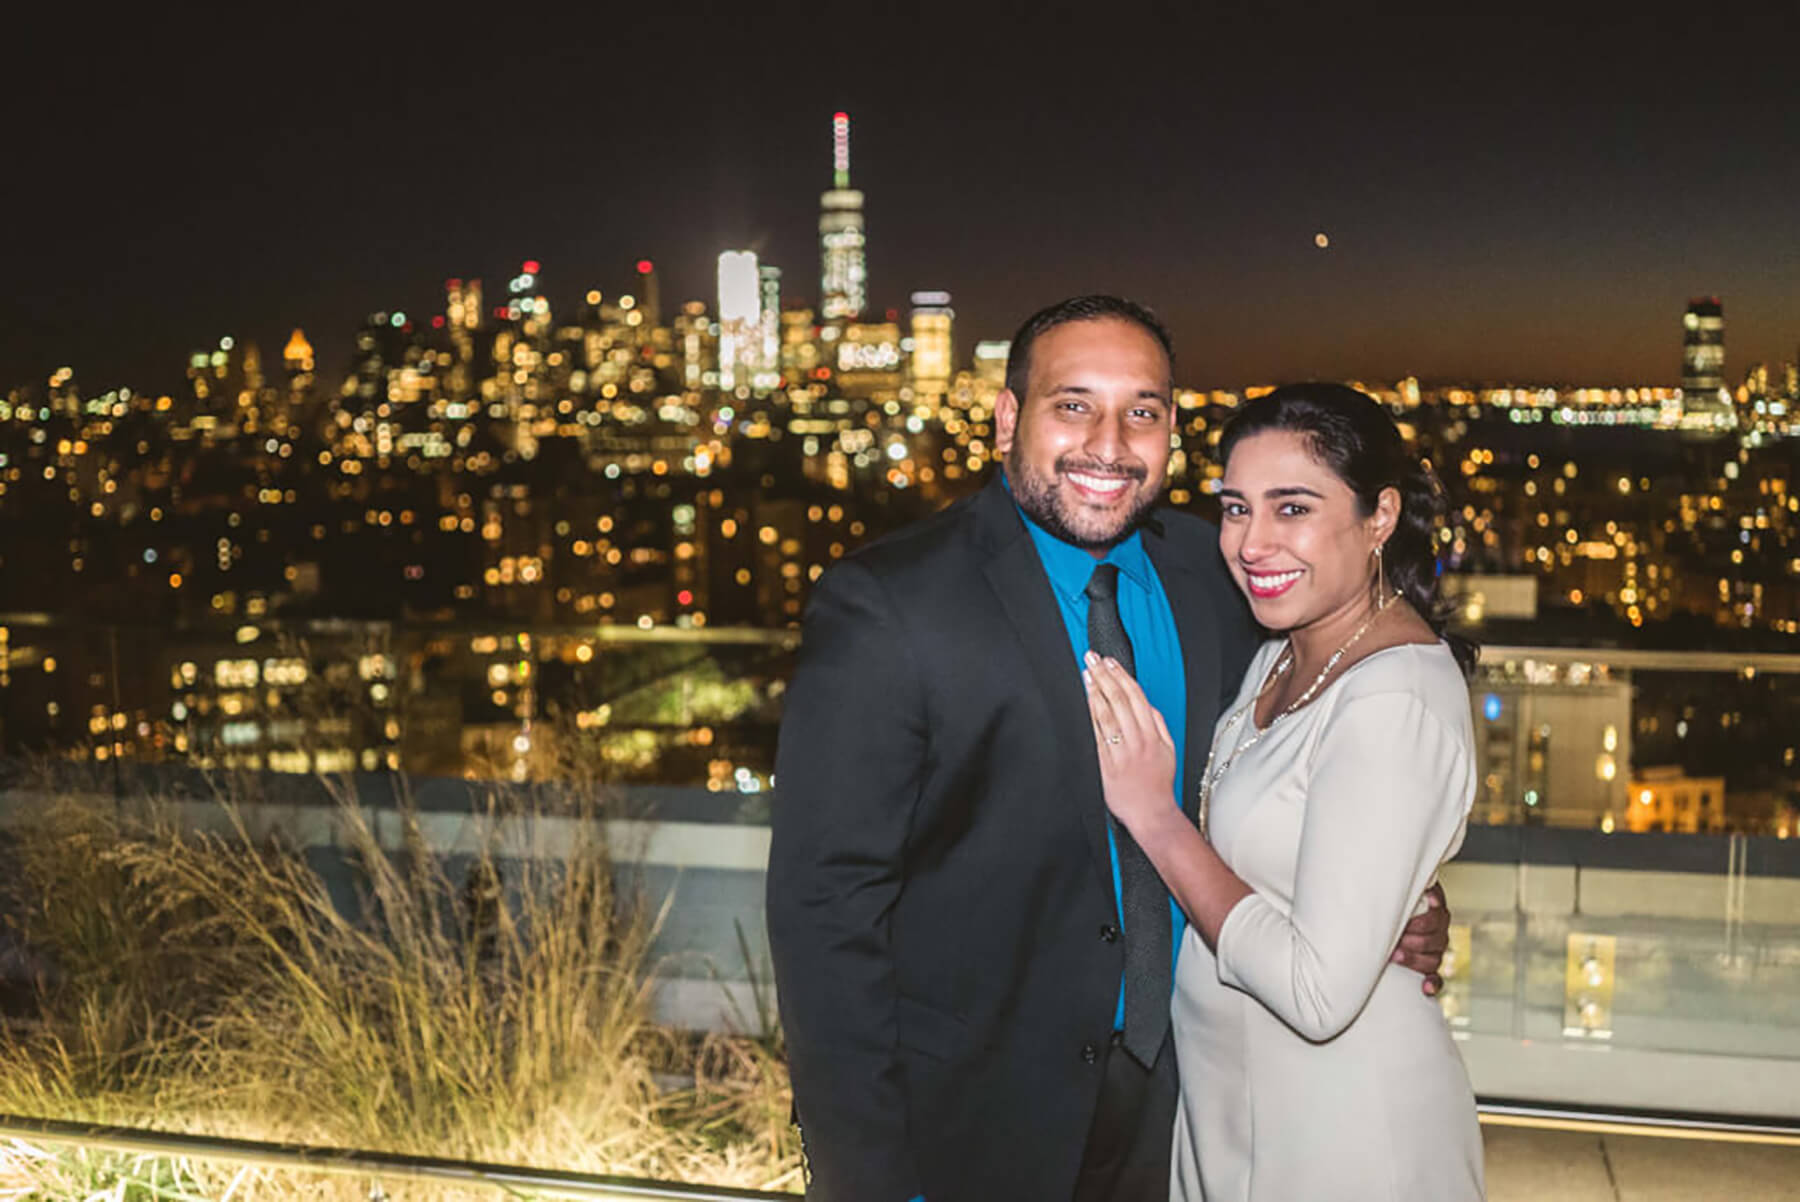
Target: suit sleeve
847, 776
1388, 793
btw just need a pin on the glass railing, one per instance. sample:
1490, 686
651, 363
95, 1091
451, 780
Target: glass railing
1626, 904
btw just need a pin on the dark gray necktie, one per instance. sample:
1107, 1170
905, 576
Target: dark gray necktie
1143, 899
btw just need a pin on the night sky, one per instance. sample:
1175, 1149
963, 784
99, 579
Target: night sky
1518, 197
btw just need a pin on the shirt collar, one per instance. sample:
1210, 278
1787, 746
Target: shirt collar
1069, 566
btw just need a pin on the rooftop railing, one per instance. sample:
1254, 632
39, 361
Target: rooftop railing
1625, 963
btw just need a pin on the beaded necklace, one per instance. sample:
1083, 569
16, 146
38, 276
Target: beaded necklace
1217, 765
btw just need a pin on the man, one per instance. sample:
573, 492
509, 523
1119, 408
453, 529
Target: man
973, 971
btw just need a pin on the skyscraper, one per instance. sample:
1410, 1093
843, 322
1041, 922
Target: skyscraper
769, 359
1704, 399
932, 350
843, 272
799, 344
649, 293
297, 360
990, 362
740, 317
868, 360
297, 355
462, 315
462, 304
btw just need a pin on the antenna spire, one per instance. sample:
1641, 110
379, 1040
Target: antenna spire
840, 150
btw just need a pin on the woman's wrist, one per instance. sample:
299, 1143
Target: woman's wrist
1151, 815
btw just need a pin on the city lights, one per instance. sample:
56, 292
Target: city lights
596, 461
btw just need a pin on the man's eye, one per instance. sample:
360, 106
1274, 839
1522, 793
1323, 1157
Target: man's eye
1294, 509
1233, 509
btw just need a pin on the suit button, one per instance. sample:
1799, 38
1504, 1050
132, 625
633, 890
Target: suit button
1089, 1053
1109, 933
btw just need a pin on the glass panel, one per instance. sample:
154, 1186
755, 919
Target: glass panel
1627, 900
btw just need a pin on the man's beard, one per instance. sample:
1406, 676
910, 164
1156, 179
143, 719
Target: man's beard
1042, 501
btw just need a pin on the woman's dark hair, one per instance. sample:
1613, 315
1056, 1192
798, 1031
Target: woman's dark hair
1350, 433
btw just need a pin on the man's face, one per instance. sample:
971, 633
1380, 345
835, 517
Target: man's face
1087, 448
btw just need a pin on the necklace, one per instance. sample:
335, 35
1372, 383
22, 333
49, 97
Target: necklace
1217, 765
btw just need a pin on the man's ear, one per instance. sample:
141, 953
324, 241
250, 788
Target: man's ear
1006, 420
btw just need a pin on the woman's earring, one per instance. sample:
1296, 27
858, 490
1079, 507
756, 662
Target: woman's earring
1381, 589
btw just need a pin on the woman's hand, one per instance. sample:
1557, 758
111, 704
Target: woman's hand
1137, 756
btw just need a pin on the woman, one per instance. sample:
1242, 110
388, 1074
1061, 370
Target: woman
1311, 1067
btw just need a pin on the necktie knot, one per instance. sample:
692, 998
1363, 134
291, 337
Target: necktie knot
1103, 585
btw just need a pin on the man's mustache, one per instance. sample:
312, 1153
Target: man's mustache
1131, 471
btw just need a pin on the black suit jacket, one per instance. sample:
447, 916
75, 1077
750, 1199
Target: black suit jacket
940, 899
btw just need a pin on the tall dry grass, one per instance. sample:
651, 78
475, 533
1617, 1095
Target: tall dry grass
210, 982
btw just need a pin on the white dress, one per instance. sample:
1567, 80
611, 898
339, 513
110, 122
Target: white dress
1311, 1068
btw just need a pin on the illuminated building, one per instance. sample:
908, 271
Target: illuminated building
462, 304
649, 293
462, 316
769, 352
697, 346
932, 349
740, 317
297, 355
206, 373
868, 359
297, 359
1553, 740
799, 356
257, 405
1703, 363
526, 303
380, 345
1666, 799
65, 394
251, 702
843, 274
990, 362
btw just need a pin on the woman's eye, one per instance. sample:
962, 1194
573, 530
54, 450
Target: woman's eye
1232, 509
1294, 509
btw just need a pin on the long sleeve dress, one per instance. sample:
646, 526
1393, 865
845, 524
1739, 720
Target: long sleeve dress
1311, 1067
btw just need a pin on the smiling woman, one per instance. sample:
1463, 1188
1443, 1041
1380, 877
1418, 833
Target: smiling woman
1312, 1064
1326, 512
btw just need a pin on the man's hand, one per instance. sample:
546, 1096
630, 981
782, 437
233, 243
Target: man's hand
1425, 940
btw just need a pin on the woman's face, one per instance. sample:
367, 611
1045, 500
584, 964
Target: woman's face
1292, 534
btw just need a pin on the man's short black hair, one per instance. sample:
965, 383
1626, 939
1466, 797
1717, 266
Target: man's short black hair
1079, 308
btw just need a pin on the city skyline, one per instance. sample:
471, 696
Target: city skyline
1541, 212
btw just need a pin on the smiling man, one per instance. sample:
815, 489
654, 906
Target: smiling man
973, 963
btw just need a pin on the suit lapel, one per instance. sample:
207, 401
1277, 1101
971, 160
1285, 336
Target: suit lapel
1199, 634
1017, 576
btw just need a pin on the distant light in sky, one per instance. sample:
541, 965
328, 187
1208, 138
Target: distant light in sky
1321, 241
